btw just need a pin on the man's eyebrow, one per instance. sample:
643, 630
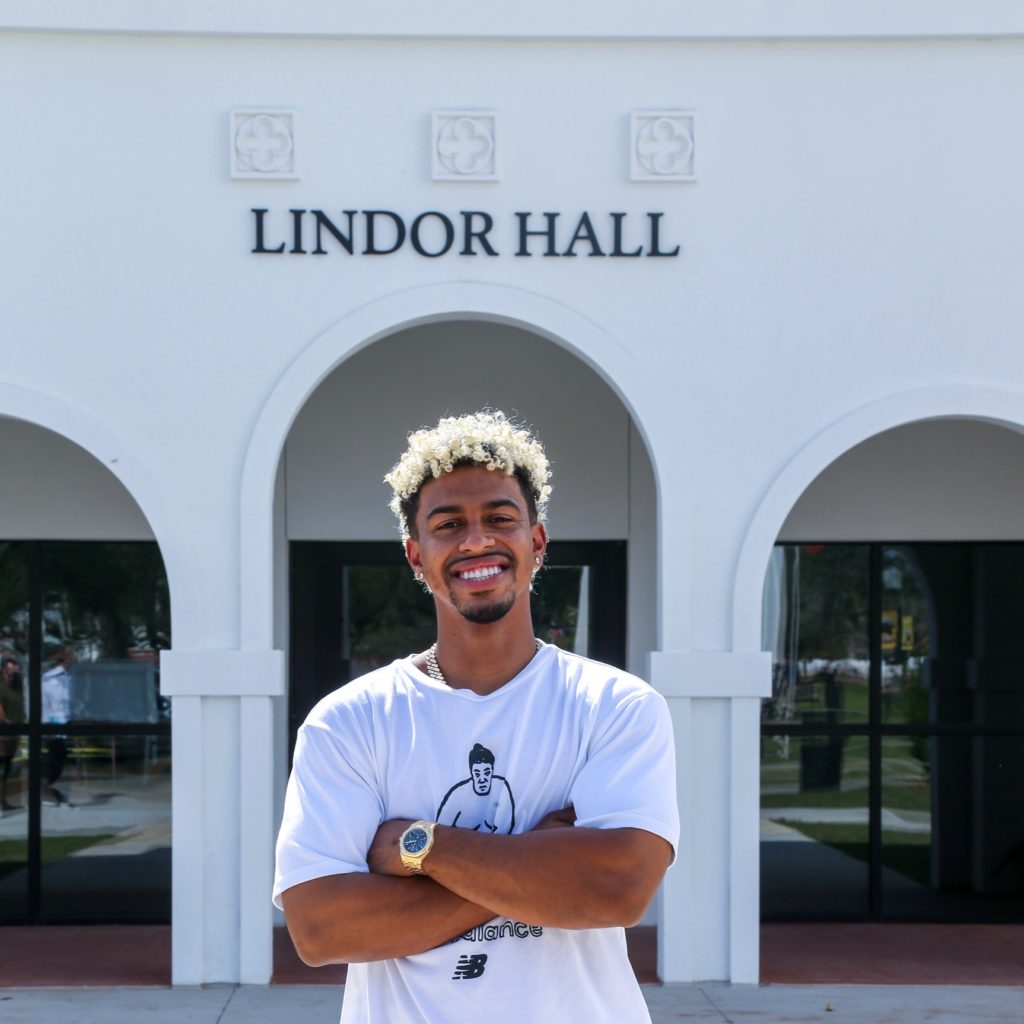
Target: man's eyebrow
447, 510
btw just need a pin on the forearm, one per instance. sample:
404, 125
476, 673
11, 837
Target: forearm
563, 878
355, 918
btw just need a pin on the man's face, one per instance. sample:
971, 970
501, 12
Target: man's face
481, 775
475, 543
9, 670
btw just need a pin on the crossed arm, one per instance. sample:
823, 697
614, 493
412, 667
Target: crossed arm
556, 875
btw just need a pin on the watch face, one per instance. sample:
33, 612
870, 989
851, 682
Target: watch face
414, 840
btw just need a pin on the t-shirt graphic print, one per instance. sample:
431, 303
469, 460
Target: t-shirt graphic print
483, 802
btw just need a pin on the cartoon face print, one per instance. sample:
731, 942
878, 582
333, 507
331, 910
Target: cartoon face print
481, 776
482, 802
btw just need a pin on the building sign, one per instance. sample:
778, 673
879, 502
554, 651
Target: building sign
466, 233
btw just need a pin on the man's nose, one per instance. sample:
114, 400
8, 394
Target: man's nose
476, 537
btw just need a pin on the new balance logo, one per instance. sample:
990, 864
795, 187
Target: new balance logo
469, 966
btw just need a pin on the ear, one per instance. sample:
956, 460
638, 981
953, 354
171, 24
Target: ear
540, 540
412, 554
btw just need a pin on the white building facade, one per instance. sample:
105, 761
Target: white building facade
754, 281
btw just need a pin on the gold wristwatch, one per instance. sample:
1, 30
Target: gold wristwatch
416, 842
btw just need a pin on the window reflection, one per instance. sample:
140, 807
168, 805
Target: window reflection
924, 706
814, 826
106, 849
105, 620
388, 614
85, 819
816, 625
561, 607
909, 634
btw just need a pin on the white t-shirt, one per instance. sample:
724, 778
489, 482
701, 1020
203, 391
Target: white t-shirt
397, 744
56, 691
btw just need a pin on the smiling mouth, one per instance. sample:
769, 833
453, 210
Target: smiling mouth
483, 573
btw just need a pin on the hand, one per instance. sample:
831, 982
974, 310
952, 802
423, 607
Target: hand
564, 817
384, 857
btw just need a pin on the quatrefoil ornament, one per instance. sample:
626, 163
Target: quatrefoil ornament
263, 144
663, 146
465, 146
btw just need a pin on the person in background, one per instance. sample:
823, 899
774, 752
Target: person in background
12, 712
56, 687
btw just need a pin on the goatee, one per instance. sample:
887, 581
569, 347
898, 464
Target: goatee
484, 614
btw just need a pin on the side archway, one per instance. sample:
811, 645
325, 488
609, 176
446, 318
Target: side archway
989, 405
119, 457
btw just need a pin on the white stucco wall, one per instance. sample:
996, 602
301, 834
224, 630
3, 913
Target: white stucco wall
852, 240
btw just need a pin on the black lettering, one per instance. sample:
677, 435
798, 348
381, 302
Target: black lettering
584, 233
371, 246
449, 233
652, 249
297, 231
468, 234
617, 219
260, 247
548, 232
322, 222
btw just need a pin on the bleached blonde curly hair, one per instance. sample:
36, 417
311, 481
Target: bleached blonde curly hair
487, 438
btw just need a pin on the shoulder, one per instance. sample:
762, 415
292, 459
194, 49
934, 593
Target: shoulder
362, 698
598, 683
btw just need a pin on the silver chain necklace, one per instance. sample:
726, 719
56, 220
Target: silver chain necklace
434, 670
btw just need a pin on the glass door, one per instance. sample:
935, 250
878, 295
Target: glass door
85, 823
356, 607
892, 748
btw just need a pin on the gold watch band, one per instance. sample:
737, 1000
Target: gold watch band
414, 845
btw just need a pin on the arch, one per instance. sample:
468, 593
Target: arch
1003, 408
120, 457
413, 307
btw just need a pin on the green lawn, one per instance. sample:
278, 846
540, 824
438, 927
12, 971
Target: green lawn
906, 784
907, 853
14, 852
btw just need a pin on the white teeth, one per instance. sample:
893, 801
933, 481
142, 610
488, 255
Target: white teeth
481, 574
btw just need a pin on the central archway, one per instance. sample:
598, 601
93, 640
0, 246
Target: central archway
546, 322
537, 314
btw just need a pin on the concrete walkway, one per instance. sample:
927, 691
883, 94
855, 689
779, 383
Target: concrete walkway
713, 1004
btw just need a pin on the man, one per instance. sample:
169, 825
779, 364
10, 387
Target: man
56, 693
12, 712
448, 923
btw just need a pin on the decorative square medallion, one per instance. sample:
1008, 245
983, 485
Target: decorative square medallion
464, 145
662, 145
262, 143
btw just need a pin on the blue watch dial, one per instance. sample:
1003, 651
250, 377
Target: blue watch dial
414, 841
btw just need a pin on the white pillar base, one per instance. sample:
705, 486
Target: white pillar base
710, 917
222, 860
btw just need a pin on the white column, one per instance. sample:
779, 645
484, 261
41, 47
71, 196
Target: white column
186, 838
222, 796
710, 913
256, 959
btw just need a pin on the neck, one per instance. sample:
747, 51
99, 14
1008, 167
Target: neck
483, 658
